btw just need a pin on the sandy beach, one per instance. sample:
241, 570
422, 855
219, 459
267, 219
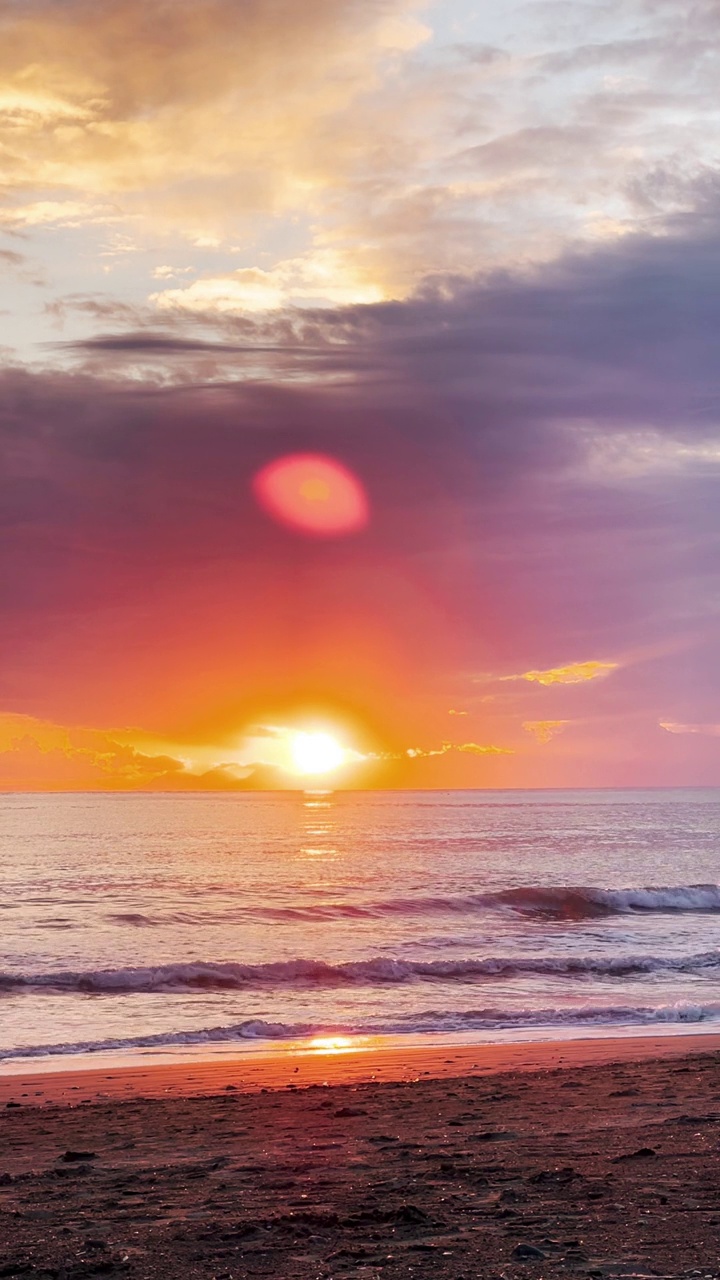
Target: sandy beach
595, 1157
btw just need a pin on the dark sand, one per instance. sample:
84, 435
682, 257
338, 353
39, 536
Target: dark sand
606, 1169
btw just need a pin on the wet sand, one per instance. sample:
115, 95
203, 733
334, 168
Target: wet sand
595, 1157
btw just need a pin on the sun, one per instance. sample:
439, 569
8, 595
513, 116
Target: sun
315, 753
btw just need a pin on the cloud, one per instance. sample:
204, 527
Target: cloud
180, 107
470, 748
706, 730
573, 673
320, 278
38, 755
10, 259
21, 267
164, 272
58, 213
396, 156
163, 344
544, 730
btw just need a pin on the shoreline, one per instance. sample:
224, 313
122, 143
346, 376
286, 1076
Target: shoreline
335, 1065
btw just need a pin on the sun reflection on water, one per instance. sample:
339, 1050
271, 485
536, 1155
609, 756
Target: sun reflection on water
317, 826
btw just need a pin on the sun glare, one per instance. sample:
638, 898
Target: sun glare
332, 1044
316, 753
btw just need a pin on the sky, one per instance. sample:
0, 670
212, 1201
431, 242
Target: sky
359, 394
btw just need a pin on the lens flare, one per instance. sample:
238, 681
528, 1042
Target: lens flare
312, 494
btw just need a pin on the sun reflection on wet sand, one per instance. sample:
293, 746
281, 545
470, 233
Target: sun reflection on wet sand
334, 1044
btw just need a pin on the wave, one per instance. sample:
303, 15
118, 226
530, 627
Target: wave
227, 975
431, 1021
579, 903
561, 902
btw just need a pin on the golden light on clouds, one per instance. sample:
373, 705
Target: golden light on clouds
137, 102
327, 154
573, 673
320, 278
470, 748
544, 730
40, 755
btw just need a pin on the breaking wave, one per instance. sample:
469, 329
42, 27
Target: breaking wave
562, 902
473, 1020
221, 976
581, 903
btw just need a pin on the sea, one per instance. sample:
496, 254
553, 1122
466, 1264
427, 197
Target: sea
158, 925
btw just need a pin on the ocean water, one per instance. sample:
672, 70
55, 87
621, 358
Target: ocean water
160, 924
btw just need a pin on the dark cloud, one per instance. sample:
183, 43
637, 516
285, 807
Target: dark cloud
147, 343
623, 335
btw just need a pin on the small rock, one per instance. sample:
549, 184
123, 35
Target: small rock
69, 1157
411, 1214
528, 1253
